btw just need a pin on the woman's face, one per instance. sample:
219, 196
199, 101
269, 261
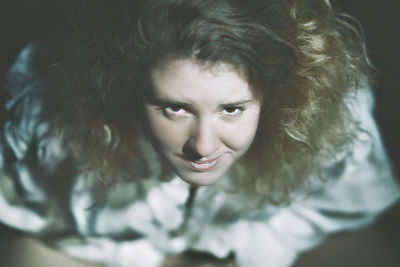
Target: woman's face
201, 119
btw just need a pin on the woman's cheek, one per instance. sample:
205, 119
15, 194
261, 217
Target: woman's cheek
168, 134
241, 134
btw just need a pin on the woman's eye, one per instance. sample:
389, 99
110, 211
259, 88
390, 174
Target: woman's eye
174, 110
232, 111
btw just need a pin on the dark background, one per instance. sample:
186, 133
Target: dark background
24, 20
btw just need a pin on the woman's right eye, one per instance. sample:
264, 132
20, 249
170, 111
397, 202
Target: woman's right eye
175, 110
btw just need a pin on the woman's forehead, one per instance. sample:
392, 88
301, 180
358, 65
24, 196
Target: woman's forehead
185, 71
185, 77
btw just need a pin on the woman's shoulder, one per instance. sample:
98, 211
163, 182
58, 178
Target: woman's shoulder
29, 151
33, 78
30, 98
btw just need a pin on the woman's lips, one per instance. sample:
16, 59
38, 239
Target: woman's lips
203, 166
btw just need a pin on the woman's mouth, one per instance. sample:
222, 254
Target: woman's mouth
203, 165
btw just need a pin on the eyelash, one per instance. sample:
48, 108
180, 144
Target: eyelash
236, 111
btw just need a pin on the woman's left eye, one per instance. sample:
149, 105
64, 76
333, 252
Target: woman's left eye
232, 111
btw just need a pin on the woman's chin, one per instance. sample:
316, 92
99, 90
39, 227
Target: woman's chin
200, 178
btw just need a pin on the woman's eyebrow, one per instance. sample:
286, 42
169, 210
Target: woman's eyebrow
236, 103
165, 100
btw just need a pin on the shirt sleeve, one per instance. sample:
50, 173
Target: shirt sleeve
356, 189
31, 159
139, 253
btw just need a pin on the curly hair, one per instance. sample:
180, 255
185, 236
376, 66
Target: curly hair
301, 57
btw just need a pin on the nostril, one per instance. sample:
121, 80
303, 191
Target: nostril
190, 152
203, 146
203, 142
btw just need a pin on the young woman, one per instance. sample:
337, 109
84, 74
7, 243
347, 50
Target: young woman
165, 126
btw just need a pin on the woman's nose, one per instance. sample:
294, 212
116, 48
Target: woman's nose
204, 140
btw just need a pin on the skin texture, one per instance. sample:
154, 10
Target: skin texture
202, 119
